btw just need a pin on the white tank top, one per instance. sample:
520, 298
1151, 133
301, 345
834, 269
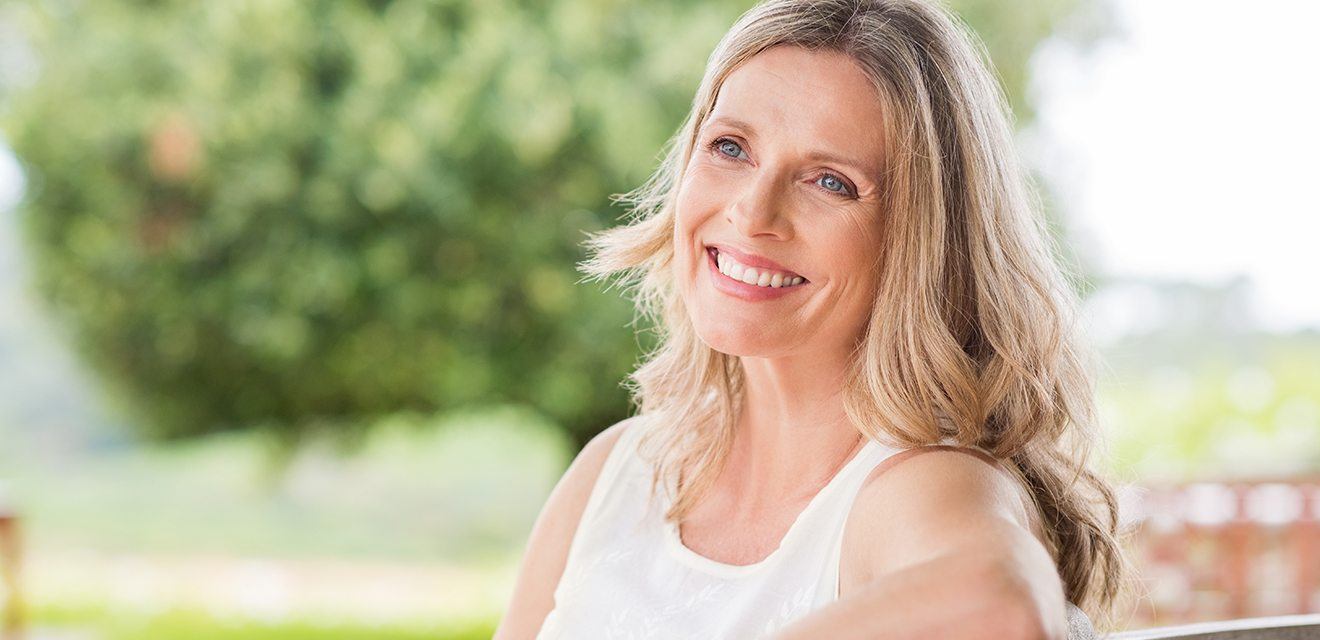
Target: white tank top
628, 575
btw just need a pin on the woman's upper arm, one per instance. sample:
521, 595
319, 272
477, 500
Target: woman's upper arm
944, 505
546, 552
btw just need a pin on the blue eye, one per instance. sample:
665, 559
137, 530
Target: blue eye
828, 178
723, 145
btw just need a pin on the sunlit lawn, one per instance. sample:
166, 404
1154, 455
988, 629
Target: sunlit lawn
105, 624
411, 538
417, 536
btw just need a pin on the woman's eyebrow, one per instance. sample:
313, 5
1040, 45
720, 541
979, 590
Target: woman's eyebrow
730, 121
825, 156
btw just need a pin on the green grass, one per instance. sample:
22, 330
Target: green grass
462, 488
179, 624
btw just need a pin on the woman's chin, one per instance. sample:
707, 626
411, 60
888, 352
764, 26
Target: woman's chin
746, 341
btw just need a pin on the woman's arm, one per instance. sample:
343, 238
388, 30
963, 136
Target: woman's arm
546, 553
947, 545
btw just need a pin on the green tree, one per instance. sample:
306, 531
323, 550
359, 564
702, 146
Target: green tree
289, 214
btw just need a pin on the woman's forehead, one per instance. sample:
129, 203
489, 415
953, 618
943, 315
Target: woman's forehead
822, 97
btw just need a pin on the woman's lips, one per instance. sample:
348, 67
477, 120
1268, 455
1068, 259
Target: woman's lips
742, 290
752, 260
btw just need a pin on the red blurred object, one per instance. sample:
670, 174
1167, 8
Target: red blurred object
10, 555
1223, 550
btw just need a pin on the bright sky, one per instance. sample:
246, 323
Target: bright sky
1188, 146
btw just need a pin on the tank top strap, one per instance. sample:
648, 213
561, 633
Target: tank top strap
831, 523
827, 527
950, 441
621, 461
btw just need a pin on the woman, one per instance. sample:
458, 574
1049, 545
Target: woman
868, 415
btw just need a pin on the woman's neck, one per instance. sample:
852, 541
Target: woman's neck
793, 433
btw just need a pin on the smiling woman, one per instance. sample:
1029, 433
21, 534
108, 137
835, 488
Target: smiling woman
759, 192
868, 415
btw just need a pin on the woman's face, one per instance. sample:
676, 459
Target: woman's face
782, 188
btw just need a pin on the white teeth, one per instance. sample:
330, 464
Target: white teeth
750, 275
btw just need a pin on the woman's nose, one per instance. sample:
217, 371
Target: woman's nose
760, 209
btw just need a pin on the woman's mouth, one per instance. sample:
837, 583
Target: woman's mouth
753, 284
730, 266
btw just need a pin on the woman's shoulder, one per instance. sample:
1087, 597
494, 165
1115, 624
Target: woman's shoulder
590, 461
575, 486
957, 508
547, 548
925, 494
949, 464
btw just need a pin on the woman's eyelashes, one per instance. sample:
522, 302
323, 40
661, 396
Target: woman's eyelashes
719, 144
730, 150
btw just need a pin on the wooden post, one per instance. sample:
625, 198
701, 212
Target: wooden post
1305, 532
11, 628
1236, 538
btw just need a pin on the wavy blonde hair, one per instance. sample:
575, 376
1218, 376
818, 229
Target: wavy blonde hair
972, 331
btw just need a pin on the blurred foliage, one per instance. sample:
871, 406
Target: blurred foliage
291, 215
1246, 408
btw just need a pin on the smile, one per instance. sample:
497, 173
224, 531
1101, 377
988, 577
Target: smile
753, 283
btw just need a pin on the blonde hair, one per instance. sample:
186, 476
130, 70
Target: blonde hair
972, 331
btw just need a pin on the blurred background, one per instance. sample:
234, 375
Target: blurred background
292, 345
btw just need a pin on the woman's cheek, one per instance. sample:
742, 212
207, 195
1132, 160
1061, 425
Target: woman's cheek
709, 184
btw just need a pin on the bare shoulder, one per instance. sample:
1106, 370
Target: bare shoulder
546, 552
959, 518
926, 502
